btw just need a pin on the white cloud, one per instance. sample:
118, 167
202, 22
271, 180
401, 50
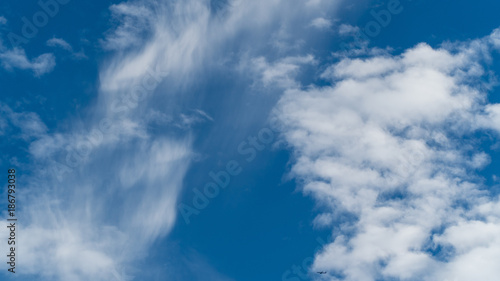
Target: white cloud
185, 35
280, 73
197, 116
134, 22
29, 123
134, 203
347, 29
16, 58
61, 43
58, 42
321, 23
385, 142
495, 38
97, 227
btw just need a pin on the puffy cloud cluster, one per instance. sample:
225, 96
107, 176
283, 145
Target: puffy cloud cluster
390, 144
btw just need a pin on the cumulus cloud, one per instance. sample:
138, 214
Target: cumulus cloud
495, 38
386, 142
3, 20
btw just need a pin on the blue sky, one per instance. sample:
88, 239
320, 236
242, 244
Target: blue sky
252, 140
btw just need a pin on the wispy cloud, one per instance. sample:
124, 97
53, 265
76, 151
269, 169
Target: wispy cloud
347, 29
321, 23
16, 58
61, 43
29, 123
134, 20
156, 48
58, 42
280, 73
190, 119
